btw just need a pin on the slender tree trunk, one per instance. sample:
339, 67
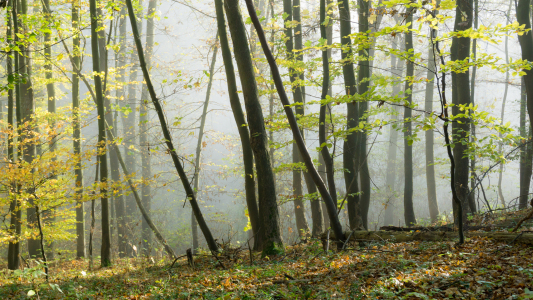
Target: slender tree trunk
144, 128
430, 136
78, 172
199, 147
166, 133
506, 43
291, 11
472, 200
409, 212
331, 206
51, 101
364, 84
526, 151
13, 254
350, 160
327, 163
460, 50
105, 252
129, 132
242, 127
272, 243
27, 109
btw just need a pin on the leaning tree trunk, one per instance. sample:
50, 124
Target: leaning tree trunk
460, 51
197, 168
144, 113
166, 133
270, 230
105, 253
331, 206
350, 159
409, 212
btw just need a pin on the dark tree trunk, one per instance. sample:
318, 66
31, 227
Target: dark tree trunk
460, 50
472, 199
238, 114
364, 83
409, 212
105, 252
350, 159
526, 151
272, 243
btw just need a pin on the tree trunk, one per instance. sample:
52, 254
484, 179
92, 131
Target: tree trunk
26, 113
472, 199
430, 135
166, 133
331, 206
291, 10
409, 212
129, 137
325, 158
350, 159
525, 152
272, 243
238, 114
197, 167
78, 172
13, 253
144, 113
364, 84
460, 51
105, 252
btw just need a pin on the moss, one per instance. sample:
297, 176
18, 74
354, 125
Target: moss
272, 249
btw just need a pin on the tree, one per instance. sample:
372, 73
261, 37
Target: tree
238, 115
408, 206
105, 252
270, 231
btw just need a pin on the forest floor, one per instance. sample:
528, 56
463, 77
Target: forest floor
479, 269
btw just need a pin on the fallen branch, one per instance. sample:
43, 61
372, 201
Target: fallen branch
525, 218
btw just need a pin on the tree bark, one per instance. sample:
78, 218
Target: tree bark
331, 206
460, 50
272, 243
166, 134
472, 199
105, 252
242, 127
526, 151
409, 213
364, 84
76, 135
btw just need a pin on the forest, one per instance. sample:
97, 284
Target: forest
289, 149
